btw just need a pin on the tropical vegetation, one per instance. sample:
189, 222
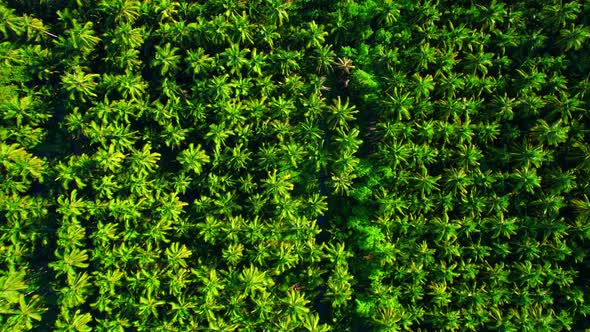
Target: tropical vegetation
294, 165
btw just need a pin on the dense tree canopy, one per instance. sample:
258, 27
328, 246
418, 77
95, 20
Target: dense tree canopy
301, 165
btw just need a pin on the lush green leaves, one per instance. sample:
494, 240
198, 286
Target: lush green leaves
294, 165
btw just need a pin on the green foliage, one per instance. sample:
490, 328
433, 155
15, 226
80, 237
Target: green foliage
296, 165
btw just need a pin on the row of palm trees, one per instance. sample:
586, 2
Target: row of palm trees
184, 143
473, 143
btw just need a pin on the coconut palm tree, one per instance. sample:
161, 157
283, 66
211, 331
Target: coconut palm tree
10, 23
315, 35
79, 84
526, 178
166, 58
257, 61
344, 64
287, 61
553, 134
423, 85
80, 37
341, 113
199, 61
574, 37
120, 11
348, 142
277, 185
342, 182
277, 12
235, 58
399, 104
324, 56
193, 158
242, 29
131, 86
